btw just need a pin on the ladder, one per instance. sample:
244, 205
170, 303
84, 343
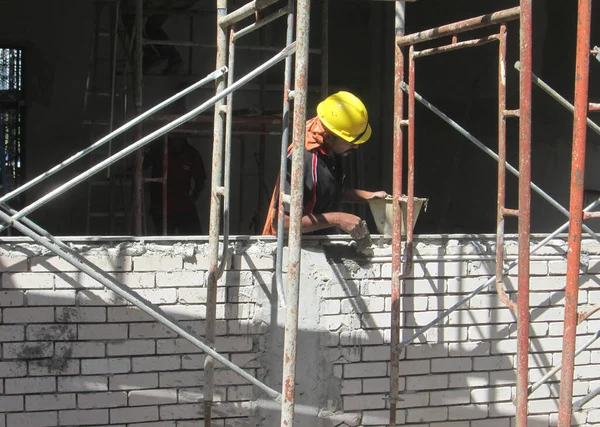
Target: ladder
108, 195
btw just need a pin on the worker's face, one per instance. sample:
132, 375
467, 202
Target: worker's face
340, 146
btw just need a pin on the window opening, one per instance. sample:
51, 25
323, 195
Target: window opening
11, 118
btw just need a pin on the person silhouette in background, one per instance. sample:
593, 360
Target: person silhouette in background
186, 178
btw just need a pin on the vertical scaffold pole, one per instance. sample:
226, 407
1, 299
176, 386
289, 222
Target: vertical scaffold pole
582, 69
400, 8
524, 213
295, 227
138, 163
215, 212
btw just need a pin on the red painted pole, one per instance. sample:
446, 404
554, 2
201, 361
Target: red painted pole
582, 67
524, 213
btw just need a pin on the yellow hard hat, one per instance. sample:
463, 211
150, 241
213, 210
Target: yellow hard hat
345, 116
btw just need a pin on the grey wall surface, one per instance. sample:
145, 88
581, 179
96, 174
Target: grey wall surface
459, 180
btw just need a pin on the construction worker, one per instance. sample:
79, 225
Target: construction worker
340, 127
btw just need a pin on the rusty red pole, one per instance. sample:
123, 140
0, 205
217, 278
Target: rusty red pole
524, 213
397, 214
410, 209
501, 209
582, 67
296, 206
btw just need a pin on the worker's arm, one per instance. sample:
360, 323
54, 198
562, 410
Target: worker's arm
349, 223
352, 195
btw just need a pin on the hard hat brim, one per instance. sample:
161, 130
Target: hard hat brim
363, 138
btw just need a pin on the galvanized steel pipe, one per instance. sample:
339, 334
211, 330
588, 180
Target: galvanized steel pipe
296, 209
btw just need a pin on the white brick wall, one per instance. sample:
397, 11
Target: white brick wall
74, 353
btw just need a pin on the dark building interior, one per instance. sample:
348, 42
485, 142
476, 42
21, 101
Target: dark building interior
460, 181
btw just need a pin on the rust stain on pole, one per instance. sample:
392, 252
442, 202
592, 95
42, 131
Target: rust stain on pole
582, 68
524, 213
460, 27
397, 216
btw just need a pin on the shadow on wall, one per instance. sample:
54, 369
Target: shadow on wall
99, 347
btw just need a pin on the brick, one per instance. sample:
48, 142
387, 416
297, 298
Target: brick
81, 314
556, 268
12, 333
380, 418
476, 379
454, 364
30, 385
150, 330
110, 399
60, 332
500, 378
377, 385
376, 320
50, 263
159, 296
152, 397
82, 383
375, 353
131, 347
239, 393
11, 298
330, 307
155, 363
11, 403
175, 346
492, 422
102, 332
13, 263
467, 412
28, 315
24, 350
81, 349
233, 344
99, 298
185, 312
134, 415
413, 400
199, 261
430, 382
45, 402
83, 417
505, 346
365, 370
192, 295
80, 280
59, 364
196, 361
157, 263
463, 285
179, 279
492, 363
373, 287
52, 298
426, 351
253, 262
16, 368
127, 314
28, 281
105, 366
111, 263
32, 419
414, 367
134, 381
178, 412
365, 401
489, 395
449, 397
181, 379
426, 414
361, 337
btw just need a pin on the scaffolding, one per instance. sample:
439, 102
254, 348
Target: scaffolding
298, 17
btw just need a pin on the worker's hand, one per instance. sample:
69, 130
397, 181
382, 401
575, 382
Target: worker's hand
378, 195
352, 225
